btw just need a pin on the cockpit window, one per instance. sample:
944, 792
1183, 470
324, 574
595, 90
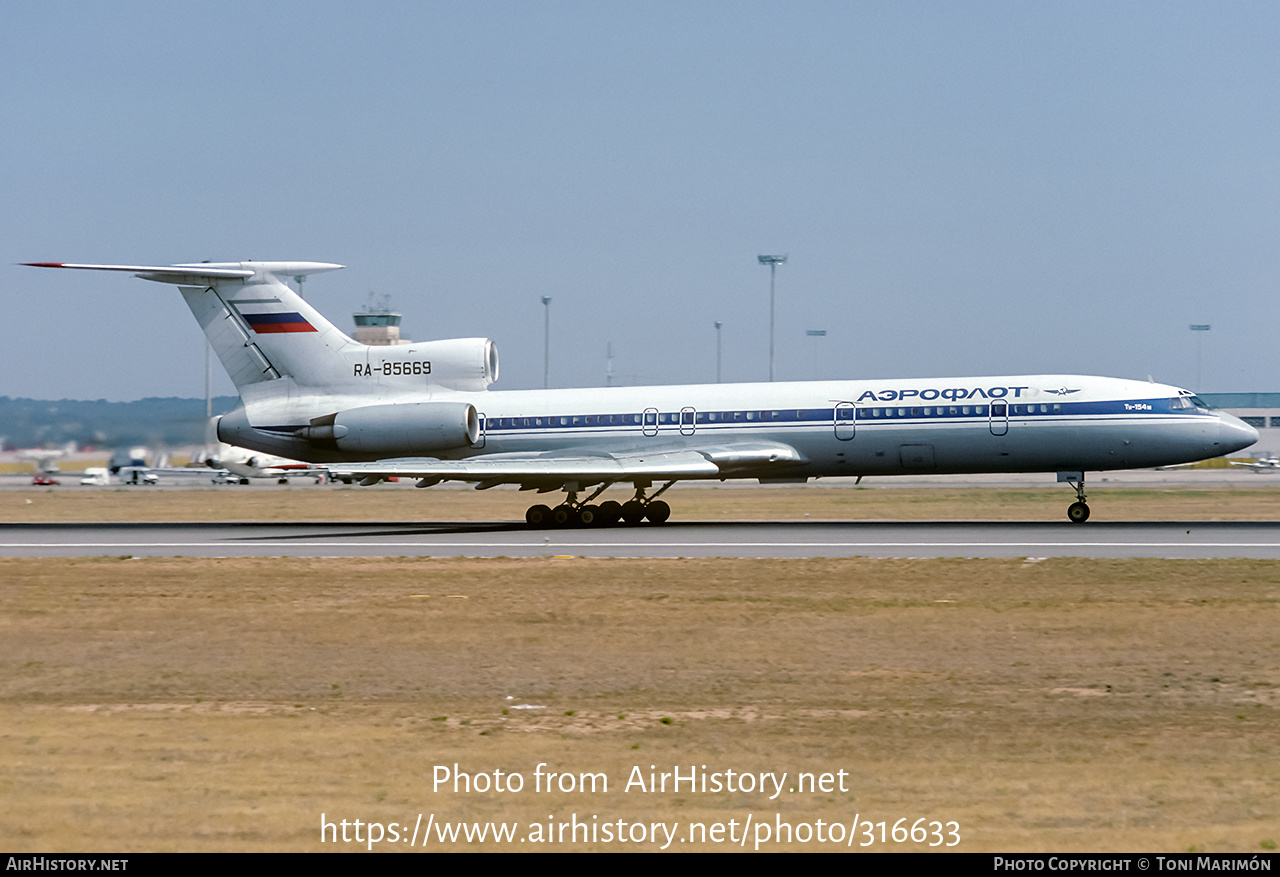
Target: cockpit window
1188, 402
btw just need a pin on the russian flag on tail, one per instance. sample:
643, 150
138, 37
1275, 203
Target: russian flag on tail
267, 324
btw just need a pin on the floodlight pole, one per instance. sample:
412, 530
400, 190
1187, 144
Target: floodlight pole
1198, 328
773, 262
546, 343
816, 333
208, 380
718, 325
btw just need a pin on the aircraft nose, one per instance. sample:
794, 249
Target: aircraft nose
1233, 433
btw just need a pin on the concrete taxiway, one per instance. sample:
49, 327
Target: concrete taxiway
744, 539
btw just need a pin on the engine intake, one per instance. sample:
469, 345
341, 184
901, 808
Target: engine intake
465, 364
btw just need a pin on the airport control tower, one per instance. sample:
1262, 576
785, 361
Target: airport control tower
377, 324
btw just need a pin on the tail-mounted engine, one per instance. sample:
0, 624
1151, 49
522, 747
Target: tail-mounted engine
463, 364
401, 430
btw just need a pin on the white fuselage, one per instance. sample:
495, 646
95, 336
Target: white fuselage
978, 424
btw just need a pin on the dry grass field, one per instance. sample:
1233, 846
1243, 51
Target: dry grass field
727, 503
1055, 705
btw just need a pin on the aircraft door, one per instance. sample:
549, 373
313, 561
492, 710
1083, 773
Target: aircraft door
688, 421
846, 418
649, 421
999, 419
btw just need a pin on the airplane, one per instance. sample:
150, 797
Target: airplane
425, 411
233, 465
45, 460
238, 465
1269, 463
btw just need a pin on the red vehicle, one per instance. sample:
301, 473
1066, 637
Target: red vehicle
42, 479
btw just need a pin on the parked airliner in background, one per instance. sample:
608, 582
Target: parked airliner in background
46, 460
1269, 463
424, 411
237, 465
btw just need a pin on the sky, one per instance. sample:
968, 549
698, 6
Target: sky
961, 188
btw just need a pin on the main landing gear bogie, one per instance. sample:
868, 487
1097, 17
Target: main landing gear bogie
607, 514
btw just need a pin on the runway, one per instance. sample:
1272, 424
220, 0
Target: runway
1190, 540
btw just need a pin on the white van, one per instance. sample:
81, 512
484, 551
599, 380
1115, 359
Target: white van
96, 475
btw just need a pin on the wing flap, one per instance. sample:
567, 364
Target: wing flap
502, 469
555, 469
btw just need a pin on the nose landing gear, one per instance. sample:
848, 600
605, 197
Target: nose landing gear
1078, 511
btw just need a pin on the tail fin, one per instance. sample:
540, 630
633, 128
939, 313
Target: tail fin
276, 347
260, 329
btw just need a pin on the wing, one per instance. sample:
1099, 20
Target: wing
553, 470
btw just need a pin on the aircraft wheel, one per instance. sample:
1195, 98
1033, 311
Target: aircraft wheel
657, 511
633, 511
1078, 513
609, 513
589, 516
538, 516
564, 515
